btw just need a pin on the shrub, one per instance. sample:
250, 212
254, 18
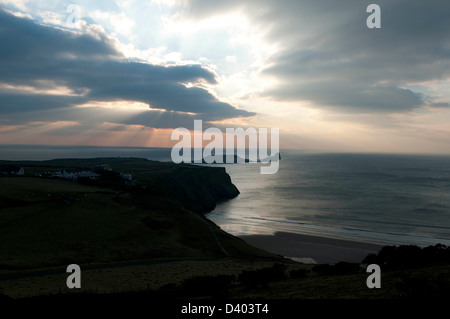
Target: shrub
341, 268
298, 273
263, 276
324, 270
345, 268
436, 287
407, 256
216, 286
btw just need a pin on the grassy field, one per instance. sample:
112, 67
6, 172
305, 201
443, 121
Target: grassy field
187, 279
47, 222
51, 221
196, 188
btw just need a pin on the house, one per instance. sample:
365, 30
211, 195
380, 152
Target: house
87, 174
102, 168
126, 176
12, 170
74, 174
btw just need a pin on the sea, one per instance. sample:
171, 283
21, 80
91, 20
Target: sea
375, 198
386, 199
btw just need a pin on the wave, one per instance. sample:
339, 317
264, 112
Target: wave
371, 236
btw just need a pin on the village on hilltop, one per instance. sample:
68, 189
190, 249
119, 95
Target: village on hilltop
72, 174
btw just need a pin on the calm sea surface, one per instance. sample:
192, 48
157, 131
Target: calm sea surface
386, 199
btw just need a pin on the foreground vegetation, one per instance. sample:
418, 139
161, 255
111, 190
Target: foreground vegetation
254, 280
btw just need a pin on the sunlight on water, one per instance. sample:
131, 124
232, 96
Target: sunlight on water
385, 199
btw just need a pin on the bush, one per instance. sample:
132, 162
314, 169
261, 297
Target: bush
341, 268
407, 256
437, 287
344, 268
216, 286
298, 273
324, 270
263, 276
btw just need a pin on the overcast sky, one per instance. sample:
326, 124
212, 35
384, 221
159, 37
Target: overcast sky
126, 73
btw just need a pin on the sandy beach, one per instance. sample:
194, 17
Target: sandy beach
312, 249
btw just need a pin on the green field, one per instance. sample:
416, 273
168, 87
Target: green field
51, 221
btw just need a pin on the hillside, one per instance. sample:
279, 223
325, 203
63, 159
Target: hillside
48, 221
197, 188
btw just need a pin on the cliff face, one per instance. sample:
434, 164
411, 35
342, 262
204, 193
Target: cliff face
199, 188
196, 187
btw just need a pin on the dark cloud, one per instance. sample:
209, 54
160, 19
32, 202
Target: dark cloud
24, 41
352, 97
440, 104
92, 68
329, 57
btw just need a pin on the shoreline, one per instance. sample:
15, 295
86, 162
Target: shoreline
312, 249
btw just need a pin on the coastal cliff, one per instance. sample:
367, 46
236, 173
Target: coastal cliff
198, 188
115, 209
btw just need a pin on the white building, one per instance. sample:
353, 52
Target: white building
74, 174
126, 176
12, 170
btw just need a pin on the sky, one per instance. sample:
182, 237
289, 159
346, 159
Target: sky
128, 72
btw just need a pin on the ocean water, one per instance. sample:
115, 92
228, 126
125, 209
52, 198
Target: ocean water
383, 199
